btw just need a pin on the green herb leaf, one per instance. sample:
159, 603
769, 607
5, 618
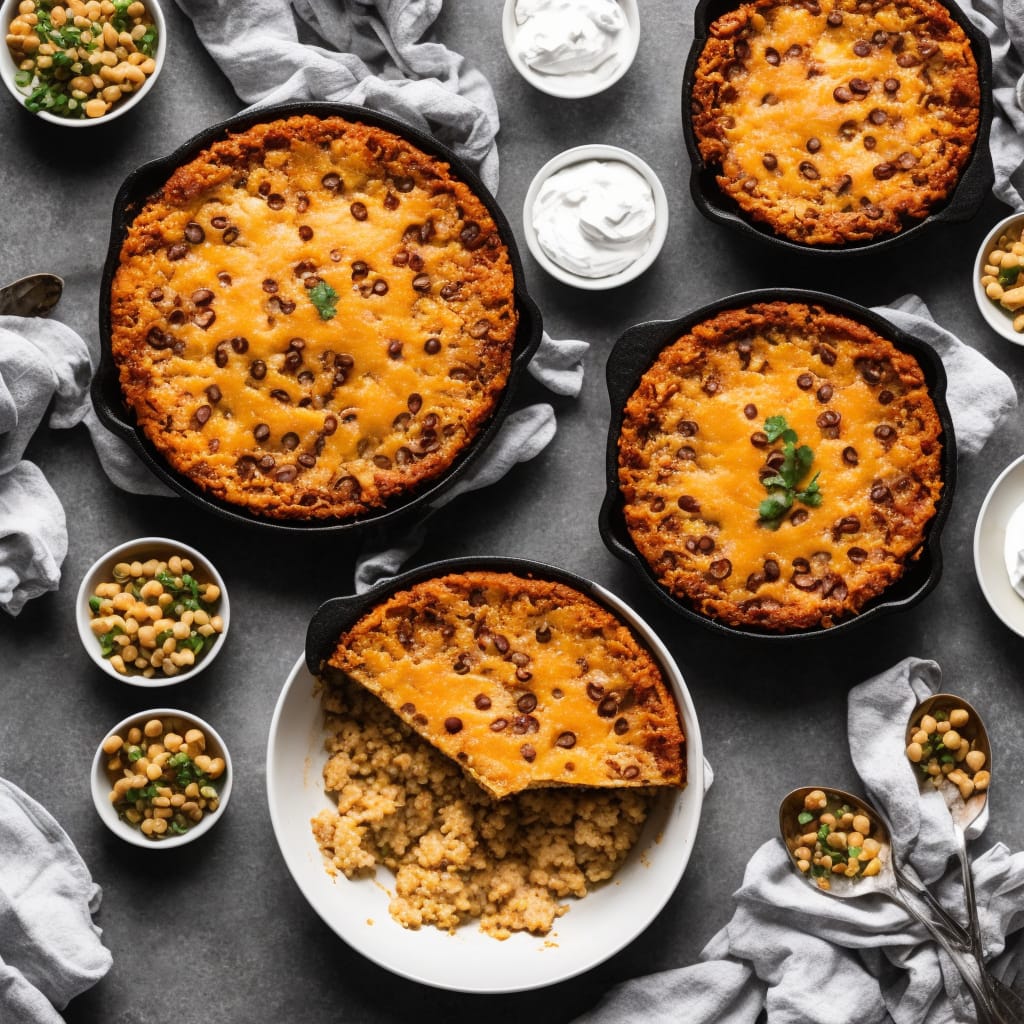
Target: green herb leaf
784, 484
775, 506
1008, 276
107, 645
324, 297
804, 817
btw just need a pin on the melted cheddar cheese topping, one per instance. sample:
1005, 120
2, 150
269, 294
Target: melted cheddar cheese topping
694, 457
523, 682
313, 319
836, 121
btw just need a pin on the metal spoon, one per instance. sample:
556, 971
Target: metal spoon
885, 882
965, 805
34, 295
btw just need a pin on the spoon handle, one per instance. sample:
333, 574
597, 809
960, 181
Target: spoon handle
1001, 995
971, 970
955, 930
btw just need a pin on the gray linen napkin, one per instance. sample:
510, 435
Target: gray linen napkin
367, 52
1002, 21
978, 393
45, 365
787, 942
50, 950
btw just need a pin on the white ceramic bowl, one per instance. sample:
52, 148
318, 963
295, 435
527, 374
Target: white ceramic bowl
999, 319
998, 536
8, 69
575, 85
102, 781
594, 928
580, 154
102, 570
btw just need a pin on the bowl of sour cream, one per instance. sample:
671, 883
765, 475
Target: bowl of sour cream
595, 216
571, 48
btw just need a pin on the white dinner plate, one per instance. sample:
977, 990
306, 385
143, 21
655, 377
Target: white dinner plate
594, 929
998, 536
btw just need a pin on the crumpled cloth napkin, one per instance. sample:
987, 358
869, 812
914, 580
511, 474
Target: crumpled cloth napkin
50, 950
366, 52
1002, 21
788, 944
978, 393
45, 365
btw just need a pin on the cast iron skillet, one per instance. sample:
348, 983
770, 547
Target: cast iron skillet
333, 617
968, 194
106, 390
637, 349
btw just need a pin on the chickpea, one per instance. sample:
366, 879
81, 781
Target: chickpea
95, 108
951, 739
915, 752
975, 760
981, 780
112, 744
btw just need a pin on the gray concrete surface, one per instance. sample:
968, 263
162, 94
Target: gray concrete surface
220, 931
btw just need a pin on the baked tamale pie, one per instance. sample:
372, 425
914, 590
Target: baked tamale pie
779, 466
312, 318
523, 682
836, 121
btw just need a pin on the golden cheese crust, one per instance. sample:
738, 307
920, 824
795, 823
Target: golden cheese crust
312, 317
836, 121
524, 682
694, 455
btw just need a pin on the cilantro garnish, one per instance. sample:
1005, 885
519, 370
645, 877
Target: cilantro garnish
107, 644
784, 486
324, 297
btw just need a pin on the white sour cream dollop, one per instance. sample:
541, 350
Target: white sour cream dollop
594, 218
570, 37
1013, 549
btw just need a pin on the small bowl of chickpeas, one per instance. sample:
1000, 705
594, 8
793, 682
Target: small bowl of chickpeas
152, 612
161, 778
81, 62
999, 278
